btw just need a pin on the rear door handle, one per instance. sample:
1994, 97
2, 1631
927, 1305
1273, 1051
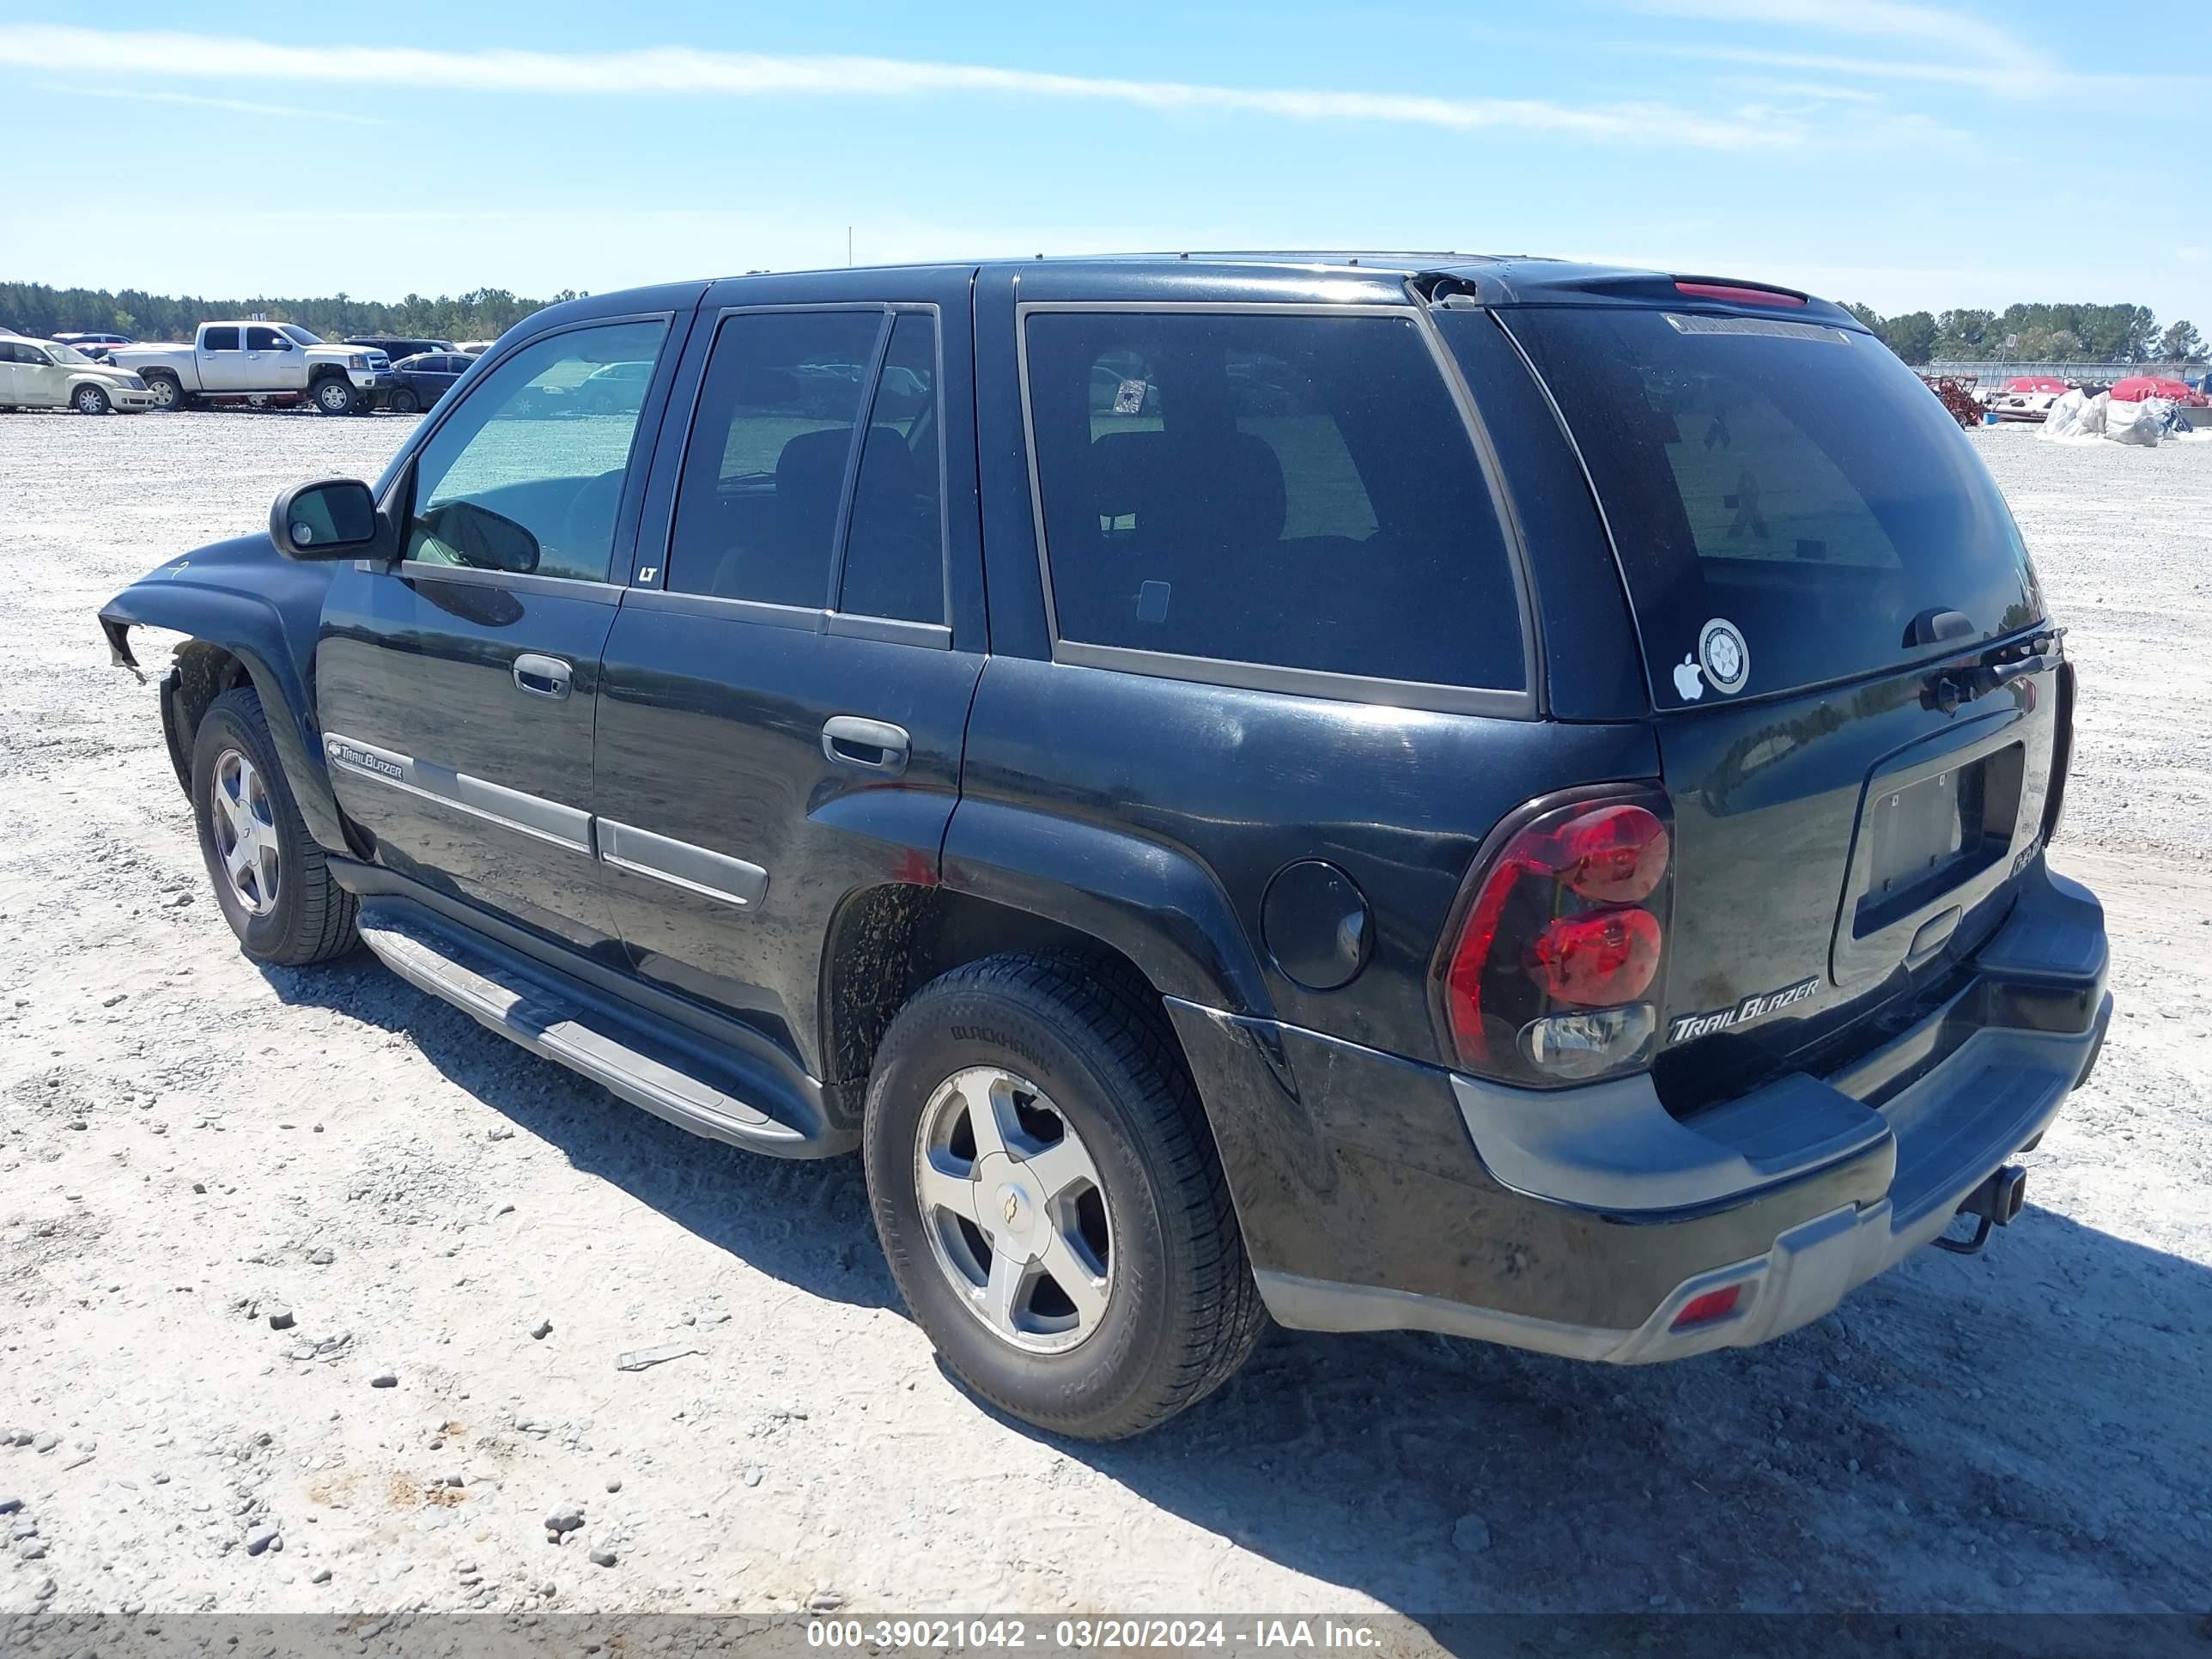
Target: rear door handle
865, 745
540, 676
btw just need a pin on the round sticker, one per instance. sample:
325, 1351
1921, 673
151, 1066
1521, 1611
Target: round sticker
1726, 657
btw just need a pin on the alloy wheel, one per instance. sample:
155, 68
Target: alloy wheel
1014, 1209
245, 823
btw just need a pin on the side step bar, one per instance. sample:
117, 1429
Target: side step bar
645, 1060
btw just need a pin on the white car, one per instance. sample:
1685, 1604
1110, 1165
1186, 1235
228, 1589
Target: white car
44, 374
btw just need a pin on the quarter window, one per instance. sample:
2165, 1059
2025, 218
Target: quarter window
525, 475
894, 550
1296, 491
771, 447
219, 339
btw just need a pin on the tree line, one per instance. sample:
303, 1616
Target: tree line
41, 311
2043, 333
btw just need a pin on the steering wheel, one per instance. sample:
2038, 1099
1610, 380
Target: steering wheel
590, 520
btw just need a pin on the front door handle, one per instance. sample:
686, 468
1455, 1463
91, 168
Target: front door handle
865, 745
541, 676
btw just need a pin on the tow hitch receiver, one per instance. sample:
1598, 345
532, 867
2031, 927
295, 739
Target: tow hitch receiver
1996, 1201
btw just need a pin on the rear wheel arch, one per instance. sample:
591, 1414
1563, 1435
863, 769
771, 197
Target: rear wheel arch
885, 943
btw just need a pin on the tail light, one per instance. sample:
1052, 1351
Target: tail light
1554, 973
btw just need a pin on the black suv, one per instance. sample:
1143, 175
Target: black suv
1493, 797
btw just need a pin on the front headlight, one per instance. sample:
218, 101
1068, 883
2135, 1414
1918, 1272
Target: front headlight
136, 382
359, 360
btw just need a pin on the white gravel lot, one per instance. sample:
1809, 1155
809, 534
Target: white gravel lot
188, 1144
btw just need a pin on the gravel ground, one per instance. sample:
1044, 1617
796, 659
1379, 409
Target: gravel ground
279, 1252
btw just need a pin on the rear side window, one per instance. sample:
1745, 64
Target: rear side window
219, 339
1791, 480
1295, 491
764, 475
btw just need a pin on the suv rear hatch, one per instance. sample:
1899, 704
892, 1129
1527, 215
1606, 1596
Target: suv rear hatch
1858, 703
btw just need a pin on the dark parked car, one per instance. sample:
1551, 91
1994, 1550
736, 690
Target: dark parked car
396, 346
1500, 797
424, 380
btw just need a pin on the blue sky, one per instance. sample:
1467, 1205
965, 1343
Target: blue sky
1906, 155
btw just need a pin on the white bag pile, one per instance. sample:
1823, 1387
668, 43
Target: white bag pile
2075, 418
2141, 423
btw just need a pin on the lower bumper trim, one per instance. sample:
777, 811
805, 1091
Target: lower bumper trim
1809, 1268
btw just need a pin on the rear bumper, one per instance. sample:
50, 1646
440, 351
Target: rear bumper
1585, 1224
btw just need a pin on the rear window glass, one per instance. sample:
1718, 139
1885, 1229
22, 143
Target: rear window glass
1297, 491
1793, 481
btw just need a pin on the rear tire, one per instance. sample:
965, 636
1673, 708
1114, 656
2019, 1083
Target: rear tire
1170, 1311
404, 402
91, 400
334, 395
269, 876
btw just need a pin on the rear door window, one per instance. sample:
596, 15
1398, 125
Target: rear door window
1791, 480
764, 476
219, 339
1293, 491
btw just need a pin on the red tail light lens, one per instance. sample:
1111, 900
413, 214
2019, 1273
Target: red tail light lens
1616, 853
1564, 935
1598, 960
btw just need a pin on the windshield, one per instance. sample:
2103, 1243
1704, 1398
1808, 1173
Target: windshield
300, 336
67, 354
1791, 485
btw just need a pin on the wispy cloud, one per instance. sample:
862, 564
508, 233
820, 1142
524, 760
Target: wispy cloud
1810, 91
1934, 46
683, 71
1966, 38
239, 105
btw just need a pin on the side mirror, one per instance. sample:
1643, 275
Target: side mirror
478, 536
327, 518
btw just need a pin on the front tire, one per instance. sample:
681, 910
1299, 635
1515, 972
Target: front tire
168, 393
269, 876
91, 400
334, 396
1046, 1188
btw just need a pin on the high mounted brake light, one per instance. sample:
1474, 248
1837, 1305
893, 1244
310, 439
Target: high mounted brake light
1737, 294
1551, 976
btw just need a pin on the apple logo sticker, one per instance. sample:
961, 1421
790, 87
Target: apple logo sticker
1689, 680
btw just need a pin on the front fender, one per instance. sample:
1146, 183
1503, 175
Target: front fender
266, 610
1153, 903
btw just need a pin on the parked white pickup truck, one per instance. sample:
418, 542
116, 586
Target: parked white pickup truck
259, 363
